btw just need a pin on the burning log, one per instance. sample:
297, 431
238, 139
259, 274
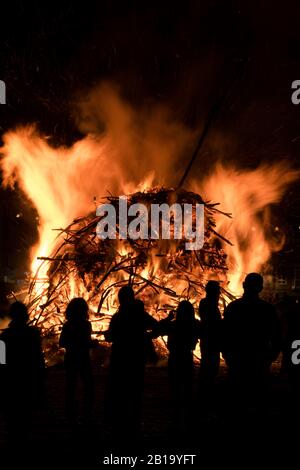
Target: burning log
162, 272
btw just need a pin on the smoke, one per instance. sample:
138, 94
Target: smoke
145, 141
127, 149
124, 150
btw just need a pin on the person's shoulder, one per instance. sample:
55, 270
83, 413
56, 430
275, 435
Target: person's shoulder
115, 317
267, 306
34, 331
233, 307
237, 303
148, 316
32, 328
65, 326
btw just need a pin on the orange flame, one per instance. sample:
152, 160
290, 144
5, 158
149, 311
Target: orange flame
247, 195
63, 182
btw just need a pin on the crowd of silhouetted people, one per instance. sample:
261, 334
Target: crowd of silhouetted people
249, 337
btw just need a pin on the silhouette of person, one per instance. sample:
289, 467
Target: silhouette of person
25, 369
130, 346
182, 330
76, 339
251, 340
210, 342
150, 354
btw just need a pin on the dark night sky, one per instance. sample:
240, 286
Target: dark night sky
181, 54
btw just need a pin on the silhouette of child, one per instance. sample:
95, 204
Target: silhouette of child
210, 342
182, 330
77, 341
24, 369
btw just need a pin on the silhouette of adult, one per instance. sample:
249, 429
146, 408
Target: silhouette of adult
76, 339
251, 339
24, 370
128, 333
182, 330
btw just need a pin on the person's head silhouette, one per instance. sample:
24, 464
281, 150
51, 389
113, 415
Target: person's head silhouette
212, 290
185, 312
18, 314
253, 284
77, 310
126, 295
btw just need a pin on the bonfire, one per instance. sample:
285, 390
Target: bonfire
162, 272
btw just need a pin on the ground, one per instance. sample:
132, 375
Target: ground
214, 436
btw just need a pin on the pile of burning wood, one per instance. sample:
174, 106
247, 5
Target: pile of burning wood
162, 272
